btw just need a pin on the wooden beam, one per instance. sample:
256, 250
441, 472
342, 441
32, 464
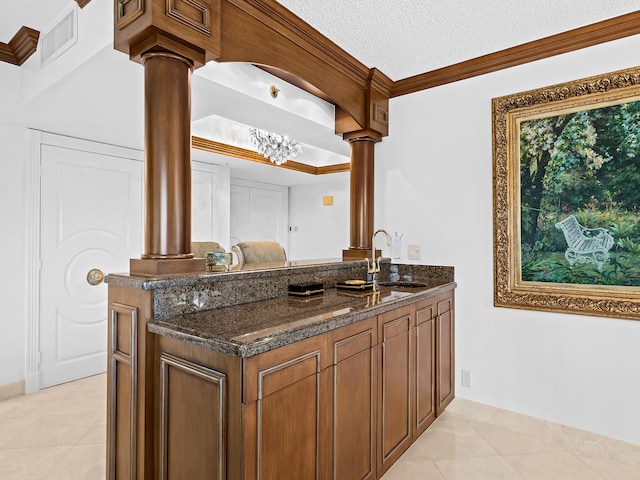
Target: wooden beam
569, 41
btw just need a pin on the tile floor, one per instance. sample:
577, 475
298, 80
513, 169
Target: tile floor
59, 433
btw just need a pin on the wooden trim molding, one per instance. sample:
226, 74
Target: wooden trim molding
569, 41
237, 152
82, 3
127, 358
20, 47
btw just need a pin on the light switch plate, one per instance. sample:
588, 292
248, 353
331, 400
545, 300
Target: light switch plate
413, 252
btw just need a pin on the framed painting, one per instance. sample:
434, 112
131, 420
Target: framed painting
566, 173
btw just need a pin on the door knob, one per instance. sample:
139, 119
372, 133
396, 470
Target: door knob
95, 276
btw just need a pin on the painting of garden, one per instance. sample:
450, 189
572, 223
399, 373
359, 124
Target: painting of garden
579, 197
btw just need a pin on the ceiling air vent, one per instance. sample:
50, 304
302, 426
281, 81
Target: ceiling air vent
60, 37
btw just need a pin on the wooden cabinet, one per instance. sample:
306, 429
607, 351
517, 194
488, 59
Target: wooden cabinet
416, 373
310, 408
395, 383
343, 405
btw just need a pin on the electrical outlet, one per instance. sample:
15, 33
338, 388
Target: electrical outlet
466, 378
413, 252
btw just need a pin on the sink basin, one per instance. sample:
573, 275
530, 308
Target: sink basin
402, 284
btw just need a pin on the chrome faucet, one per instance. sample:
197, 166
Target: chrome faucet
373, 267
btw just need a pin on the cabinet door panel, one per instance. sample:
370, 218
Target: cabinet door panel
200, 415
354, 374
288, 415
288, 432
425, 344
445, 356
394, 387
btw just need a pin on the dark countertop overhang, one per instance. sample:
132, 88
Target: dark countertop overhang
252, 328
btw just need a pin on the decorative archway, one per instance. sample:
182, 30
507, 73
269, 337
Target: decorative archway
172, 38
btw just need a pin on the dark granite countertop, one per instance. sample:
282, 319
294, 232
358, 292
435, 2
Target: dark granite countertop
252, 328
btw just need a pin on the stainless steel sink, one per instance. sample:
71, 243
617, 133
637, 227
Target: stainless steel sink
402, 284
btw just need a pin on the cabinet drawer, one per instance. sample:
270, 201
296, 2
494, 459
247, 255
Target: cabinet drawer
352, 339
282, 375
394, 323
273, 370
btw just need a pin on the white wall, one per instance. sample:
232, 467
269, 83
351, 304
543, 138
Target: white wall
13, 248
437, 167
323, 230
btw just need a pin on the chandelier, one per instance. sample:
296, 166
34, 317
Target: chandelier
277, 148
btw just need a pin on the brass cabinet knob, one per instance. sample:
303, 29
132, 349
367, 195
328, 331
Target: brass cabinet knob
95, 276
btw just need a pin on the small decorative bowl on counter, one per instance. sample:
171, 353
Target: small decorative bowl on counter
219, 261
354, 285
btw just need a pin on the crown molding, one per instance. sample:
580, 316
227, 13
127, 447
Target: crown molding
569, 41
244, 154
20, 47
24, 43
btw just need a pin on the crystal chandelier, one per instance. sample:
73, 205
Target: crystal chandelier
277, 148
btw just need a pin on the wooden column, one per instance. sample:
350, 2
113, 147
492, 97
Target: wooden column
362, 142
167, 94
361, 198
167, 140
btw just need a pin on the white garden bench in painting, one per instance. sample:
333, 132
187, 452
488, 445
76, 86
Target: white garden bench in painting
585, 245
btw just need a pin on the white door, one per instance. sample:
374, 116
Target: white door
259, 211
91, 211
210, 200
268, 217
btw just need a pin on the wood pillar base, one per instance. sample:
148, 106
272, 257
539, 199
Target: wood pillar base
138, 266
358, 254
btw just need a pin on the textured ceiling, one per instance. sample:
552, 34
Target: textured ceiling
401, 38
409, 37
36, 14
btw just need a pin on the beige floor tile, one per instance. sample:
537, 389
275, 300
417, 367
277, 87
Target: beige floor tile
478, 468
419, 470
97, 434
29, 463
552, 466
97, 382
434, 444
508, 442
53, 430
80, 402
82, 462
450, 422
607, 467
10, 428
31, 405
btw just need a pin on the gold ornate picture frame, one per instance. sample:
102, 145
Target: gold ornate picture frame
566, 164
